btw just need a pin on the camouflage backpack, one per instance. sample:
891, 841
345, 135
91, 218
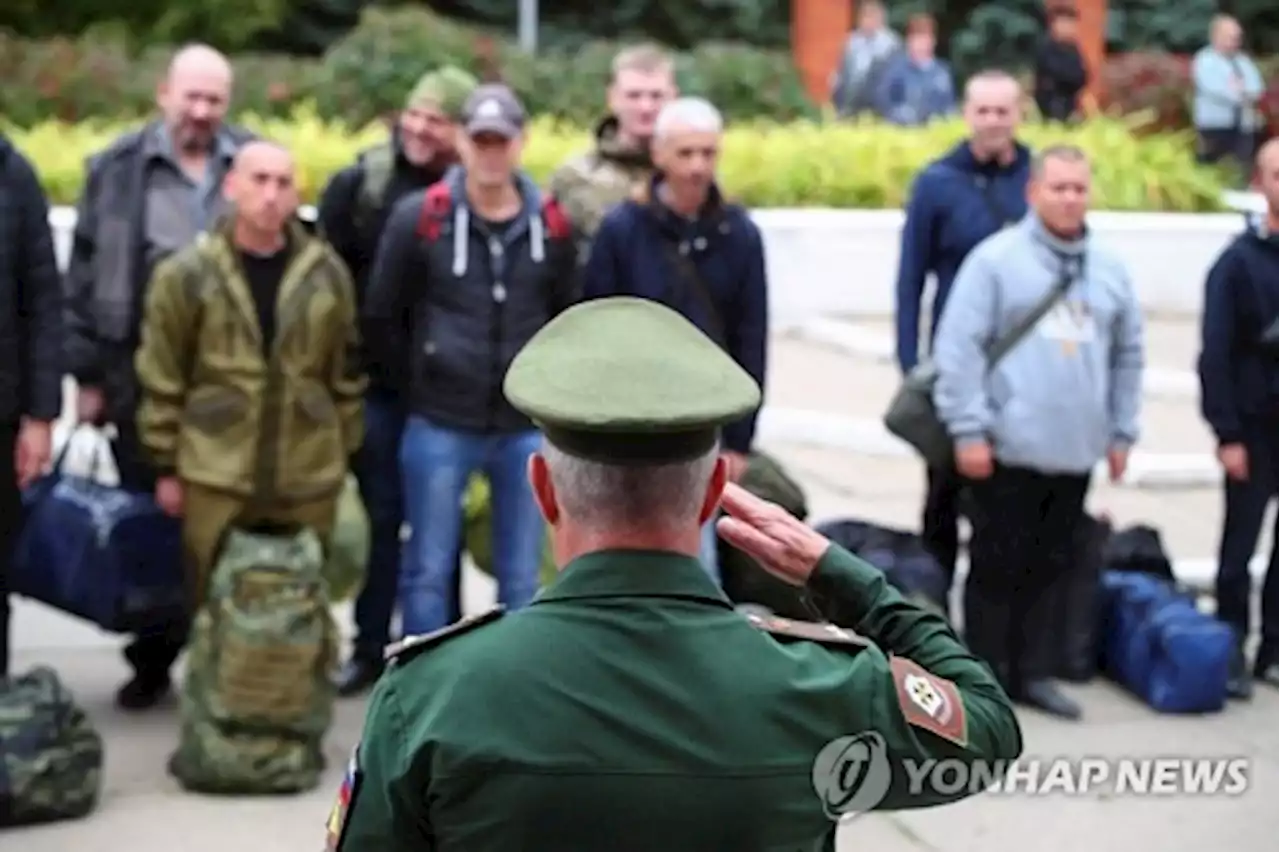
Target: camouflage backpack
377, 164
50, 756
257, 700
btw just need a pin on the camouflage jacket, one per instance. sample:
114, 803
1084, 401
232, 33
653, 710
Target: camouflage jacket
216, 411
591, 184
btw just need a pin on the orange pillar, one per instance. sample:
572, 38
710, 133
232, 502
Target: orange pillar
1093, 46
819, 29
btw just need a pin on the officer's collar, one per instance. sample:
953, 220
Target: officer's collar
634, 574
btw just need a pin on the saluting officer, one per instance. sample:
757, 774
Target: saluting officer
630, 707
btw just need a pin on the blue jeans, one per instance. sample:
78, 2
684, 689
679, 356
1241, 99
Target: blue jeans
377, 468
436, 464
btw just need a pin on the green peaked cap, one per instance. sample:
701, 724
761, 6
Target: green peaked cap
624, 380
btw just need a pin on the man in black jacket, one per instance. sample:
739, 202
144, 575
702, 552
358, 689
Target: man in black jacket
1238, 396
353, 211
150, 193
1059, 70
30, 351
466, 272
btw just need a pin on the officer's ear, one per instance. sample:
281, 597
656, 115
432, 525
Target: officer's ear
544, 491
715, 489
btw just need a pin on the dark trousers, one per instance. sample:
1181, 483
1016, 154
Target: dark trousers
10, 523
1238, 146
1246, 508
377, 468
939, 524
1020, 557
151, 654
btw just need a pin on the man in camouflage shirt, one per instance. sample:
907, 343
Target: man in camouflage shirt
591, 184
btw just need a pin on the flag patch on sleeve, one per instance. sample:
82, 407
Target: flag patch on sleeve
342, 805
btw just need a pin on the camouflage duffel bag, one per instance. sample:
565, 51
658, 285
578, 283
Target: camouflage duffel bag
477, 532
50, 755
257, 699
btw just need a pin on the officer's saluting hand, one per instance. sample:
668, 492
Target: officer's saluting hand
630, 706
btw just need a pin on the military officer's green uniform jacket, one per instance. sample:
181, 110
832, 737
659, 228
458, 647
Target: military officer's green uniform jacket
630, 706
591, 184
216, 410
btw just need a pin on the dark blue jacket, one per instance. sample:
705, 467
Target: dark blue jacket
956, 203
1237, 364
632, 256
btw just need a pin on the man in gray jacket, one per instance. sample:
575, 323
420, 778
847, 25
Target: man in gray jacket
866, 53
145, 196
1030, 429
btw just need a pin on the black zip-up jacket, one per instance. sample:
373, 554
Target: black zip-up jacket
354, 233
1060, 77
450, 303
30, 297
1239, 378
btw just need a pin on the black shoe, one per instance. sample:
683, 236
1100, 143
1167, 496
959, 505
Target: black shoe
143, 692
1268, 673
357, 676
1044, 696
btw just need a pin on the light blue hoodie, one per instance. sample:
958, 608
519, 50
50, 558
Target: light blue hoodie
1071, 388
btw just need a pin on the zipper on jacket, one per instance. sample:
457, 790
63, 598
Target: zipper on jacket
498, 292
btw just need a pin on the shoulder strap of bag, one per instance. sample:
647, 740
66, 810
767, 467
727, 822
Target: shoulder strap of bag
689, 272
1070, 271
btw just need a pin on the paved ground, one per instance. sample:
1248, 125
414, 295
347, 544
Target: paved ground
142, 810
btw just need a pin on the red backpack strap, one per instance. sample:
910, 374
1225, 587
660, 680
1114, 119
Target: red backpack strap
558, 225
436, 205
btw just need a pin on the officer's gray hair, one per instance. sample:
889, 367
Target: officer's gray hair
688, 114
604, 496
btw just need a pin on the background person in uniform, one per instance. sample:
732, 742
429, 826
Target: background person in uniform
1030, 430
466, 272
30, 351
249, 370
1227, 90
1238, 396
680, 242
593, 183
869, 48
630, 707
353, 211
959, 200
145, 197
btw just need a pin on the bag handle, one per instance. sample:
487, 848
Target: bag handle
61, 457
1071, 270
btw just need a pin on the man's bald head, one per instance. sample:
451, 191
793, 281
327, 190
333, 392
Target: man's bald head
1267, 175
194, 96
261, 186
992, 109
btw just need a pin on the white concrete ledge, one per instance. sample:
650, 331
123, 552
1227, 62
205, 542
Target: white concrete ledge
823, 262
864, 436
854, 341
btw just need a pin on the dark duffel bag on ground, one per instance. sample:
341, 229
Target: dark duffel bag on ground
907, 564
50, 756
1139, 549
744, 581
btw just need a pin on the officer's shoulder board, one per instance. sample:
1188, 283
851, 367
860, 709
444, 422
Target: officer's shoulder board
409, 647
809, 631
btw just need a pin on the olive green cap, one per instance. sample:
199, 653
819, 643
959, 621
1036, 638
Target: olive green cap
624, 380
446, 89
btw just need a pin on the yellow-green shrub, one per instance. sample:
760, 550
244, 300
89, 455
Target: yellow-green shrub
763, 165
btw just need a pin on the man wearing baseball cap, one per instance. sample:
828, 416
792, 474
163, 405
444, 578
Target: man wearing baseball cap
353, 211
466, 273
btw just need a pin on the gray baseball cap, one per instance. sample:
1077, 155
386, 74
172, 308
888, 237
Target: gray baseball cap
493, 108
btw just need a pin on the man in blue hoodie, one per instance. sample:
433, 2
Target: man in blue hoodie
679, 242
1238, 396
958, 201
1030, 428
466, 273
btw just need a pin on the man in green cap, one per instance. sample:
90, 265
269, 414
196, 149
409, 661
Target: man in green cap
630, 707
353, 211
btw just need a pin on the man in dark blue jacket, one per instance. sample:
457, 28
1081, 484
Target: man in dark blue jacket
1238, 396
957, 202
680, 243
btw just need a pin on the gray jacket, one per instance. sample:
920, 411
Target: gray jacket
865, 56
107, 273
1071, 388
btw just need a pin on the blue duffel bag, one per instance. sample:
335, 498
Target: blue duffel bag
1158, 644
98, 552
